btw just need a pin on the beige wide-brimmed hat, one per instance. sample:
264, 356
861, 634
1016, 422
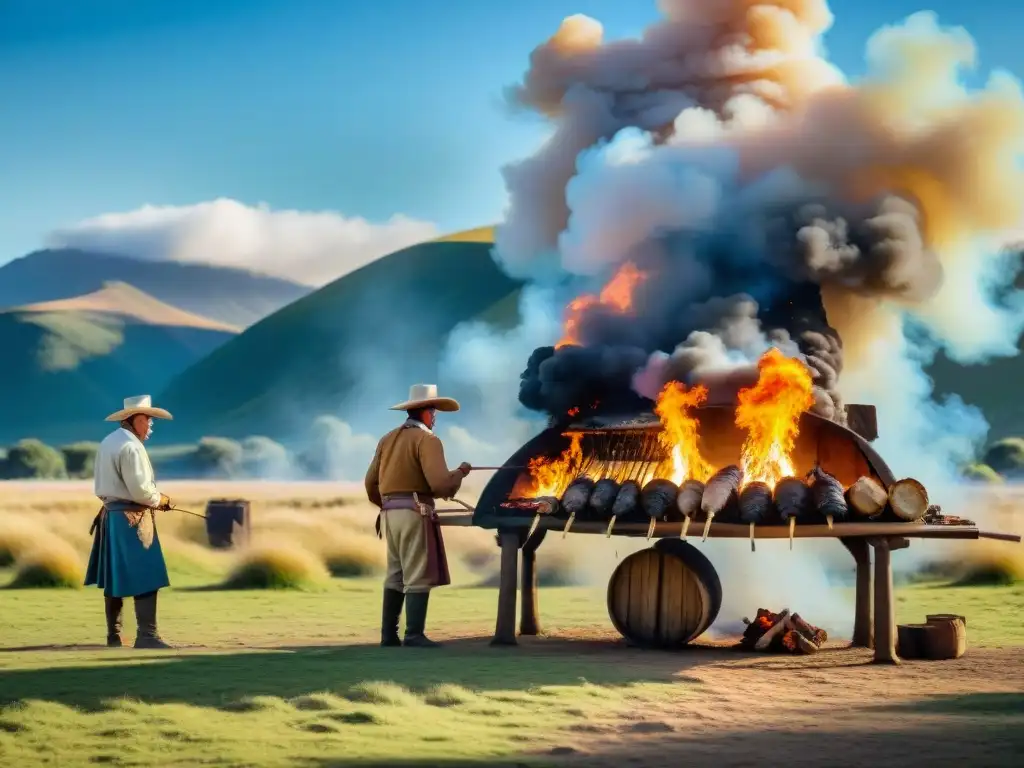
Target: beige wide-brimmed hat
143, 404
425, 396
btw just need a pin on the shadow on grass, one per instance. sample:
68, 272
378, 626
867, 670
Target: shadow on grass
221, 679
969, 704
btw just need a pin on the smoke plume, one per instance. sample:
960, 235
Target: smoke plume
717, 187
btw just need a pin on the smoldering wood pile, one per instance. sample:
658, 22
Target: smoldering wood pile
817, 498
781, 632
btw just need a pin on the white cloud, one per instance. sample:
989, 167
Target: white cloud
308, 247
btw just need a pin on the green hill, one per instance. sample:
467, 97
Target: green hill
314, 355
69, 363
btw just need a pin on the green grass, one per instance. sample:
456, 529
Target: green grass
281, 679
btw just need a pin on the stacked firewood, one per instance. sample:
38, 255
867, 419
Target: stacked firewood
781, 633
816, 498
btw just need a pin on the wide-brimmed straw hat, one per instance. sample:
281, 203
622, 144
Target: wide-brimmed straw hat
425, 396
143, 404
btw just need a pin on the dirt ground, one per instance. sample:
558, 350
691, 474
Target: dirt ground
833, 708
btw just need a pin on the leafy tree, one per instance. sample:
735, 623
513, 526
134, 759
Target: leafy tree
33, 458
80, 458
981, 473
1007, 456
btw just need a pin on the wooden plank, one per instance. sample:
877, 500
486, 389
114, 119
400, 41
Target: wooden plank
651, 594
637, 585
862, 419
863, 626
505, 624
885, 606
529, 621
671, 600
738, 531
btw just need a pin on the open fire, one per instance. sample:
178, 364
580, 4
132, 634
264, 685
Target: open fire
662, 475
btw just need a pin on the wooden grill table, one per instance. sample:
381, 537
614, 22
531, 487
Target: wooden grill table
843, 451
877, 631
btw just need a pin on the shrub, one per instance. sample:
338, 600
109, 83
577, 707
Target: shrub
32, 458
280, 566
51, 563
17, 536
354, 555
1006, 456
991, 565
981, 473
217, 457
80, 458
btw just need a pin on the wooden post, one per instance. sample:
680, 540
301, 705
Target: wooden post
863, 628
529, 615
505, 625
885, 604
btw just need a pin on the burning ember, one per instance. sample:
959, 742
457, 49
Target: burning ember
617, 296
781, 633
770, 413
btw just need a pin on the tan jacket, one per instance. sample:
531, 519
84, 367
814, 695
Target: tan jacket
410, 459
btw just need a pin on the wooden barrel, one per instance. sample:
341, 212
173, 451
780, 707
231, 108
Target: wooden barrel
665, 596
947, 639
931, 618
225, 518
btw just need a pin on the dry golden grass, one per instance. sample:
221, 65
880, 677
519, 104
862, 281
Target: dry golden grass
276, 566
50, 562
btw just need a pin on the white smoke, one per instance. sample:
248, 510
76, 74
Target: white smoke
304, 246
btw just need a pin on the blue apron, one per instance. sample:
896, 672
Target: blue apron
126, 559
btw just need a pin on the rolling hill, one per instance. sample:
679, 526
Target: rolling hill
232, 296
68, 363
383, 325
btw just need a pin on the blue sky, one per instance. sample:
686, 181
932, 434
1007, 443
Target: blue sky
368, 108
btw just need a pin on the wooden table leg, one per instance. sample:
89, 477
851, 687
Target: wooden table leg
529, 616
885, 604
505, 626
863, 628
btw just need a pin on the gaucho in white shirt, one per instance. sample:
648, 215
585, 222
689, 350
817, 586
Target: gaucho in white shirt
126, 558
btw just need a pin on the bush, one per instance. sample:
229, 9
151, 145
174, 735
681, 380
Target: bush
80, 458
33, 459
276, 567
217, 457
991, 565
265, 459
980, 473
1007, 456
52, 563
17, 536
354, 556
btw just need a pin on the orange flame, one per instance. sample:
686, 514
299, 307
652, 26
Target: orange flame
679, 435
770, 413
617, 295
550, 477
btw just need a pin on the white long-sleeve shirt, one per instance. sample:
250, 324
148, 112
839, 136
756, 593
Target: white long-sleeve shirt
123, 470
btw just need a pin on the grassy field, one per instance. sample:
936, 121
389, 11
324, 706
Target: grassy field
295, 678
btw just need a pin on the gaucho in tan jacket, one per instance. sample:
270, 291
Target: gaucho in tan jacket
407, 473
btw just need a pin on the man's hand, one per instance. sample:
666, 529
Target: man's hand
465, 468
165, 502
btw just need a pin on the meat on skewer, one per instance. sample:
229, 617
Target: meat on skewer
721, 489
575, 499
828, 496
657, 499
755, 505
688, 502
793, 500
601, 500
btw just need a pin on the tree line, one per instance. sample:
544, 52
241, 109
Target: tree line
330, 452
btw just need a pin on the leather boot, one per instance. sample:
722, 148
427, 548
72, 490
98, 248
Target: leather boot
393, 601
114, 607
145, 617
416, 619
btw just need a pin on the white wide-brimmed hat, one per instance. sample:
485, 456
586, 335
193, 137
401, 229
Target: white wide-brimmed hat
425, 396
143, 404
